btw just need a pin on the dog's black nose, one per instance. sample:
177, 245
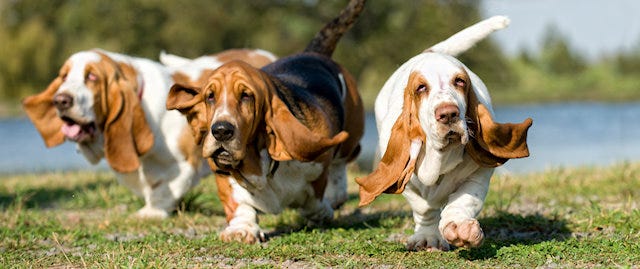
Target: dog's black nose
222, 130
62, 101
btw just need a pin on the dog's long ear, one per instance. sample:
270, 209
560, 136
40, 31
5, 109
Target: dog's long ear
187, 99
42, 113
492, 144
289, 139
127, 134
398, 162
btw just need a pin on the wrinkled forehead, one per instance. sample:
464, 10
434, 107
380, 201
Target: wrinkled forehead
233, 76
438, 69
78, 63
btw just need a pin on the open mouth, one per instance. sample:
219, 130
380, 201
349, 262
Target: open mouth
78, 132
223, 159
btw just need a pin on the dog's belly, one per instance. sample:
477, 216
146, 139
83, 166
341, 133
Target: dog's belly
290, 186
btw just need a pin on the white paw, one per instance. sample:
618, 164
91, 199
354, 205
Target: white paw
467, 233
428, 239
152, 213
249, 234
319, 214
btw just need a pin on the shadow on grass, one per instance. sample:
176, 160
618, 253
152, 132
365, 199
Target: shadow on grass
505, 229
501, 230
354, 221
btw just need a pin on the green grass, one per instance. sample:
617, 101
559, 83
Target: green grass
586, 217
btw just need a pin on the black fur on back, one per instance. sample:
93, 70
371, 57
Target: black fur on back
307, 78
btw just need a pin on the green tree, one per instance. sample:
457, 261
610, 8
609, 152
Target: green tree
557, 57
39, 35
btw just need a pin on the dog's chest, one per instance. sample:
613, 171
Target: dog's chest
288, 185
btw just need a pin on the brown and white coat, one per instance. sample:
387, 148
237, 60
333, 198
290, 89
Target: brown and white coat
272, 143
113, 106
279, 136
439, 142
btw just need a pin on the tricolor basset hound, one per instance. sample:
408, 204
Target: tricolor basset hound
113, 106
439, 142
279, 136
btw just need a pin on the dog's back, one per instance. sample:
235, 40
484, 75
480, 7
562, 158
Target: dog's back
309, 78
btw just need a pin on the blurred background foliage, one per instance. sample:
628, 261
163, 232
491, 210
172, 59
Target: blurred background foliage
37, 36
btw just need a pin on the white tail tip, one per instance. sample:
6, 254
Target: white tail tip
470, 36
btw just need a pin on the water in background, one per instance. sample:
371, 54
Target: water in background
562, 135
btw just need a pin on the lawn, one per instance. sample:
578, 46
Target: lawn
583, 217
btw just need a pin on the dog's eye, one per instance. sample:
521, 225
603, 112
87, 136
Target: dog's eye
91, 77
245, 96
460, 82
210, 98
421, 88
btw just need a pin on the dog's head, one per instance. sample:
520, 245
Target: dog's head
94, 102
237, 113
443, 108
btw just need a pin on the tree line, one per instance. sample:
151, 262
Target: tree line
39, 35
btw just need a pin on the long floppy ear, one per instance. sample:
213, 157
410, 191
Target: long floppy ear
492, 144
42, 113
186, 99
398, 162
126, 131
288, 139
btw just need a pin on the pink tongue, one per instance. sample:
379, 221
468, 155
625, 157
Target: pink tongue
71, 130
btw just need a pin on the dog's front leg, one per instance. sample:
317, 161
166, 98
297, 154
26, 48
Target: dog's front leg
243, 227
458, 223
158, 200
426, 215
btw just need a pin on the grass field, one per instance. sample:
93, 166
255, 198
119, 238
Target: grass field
587, 217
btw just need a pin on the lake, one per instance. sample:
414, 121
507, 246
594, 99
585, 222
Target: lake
562, 135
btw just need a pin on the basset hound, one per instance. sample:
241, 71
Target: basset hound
440, 143
279, 136
113, 106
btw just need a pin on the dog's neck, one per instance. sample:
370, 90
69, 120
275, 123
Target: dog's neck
432, 163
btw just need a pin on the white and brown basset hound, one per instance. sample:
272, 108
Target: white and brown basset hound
113, 106
439, 142
279, 136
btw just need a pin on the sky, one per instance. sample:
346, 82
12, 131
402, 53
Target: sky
593, 27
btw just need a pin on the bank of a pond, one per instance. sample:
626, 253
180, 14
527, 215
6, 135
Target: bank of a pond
562, 135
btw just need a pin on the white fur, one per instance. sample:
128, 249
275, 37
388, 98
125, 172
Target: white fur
267, 54
467, 38
191, 67
447, 186
194, 67
289, 186
164, 175
446, 179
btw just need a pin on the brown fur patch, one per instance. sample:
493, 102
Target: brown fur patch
189, 148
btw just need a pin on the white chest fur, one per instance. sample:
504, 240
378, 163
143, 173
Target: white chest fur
289, 186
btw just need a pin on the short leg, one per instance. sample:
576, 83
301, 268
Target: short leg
317, 212
136, 182
162, 194
426, 217
458, 224
336, 190
243, 227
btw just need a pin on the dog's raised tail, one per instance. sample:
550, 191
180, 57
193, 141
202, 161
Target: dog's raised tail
470, 36
327, 38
